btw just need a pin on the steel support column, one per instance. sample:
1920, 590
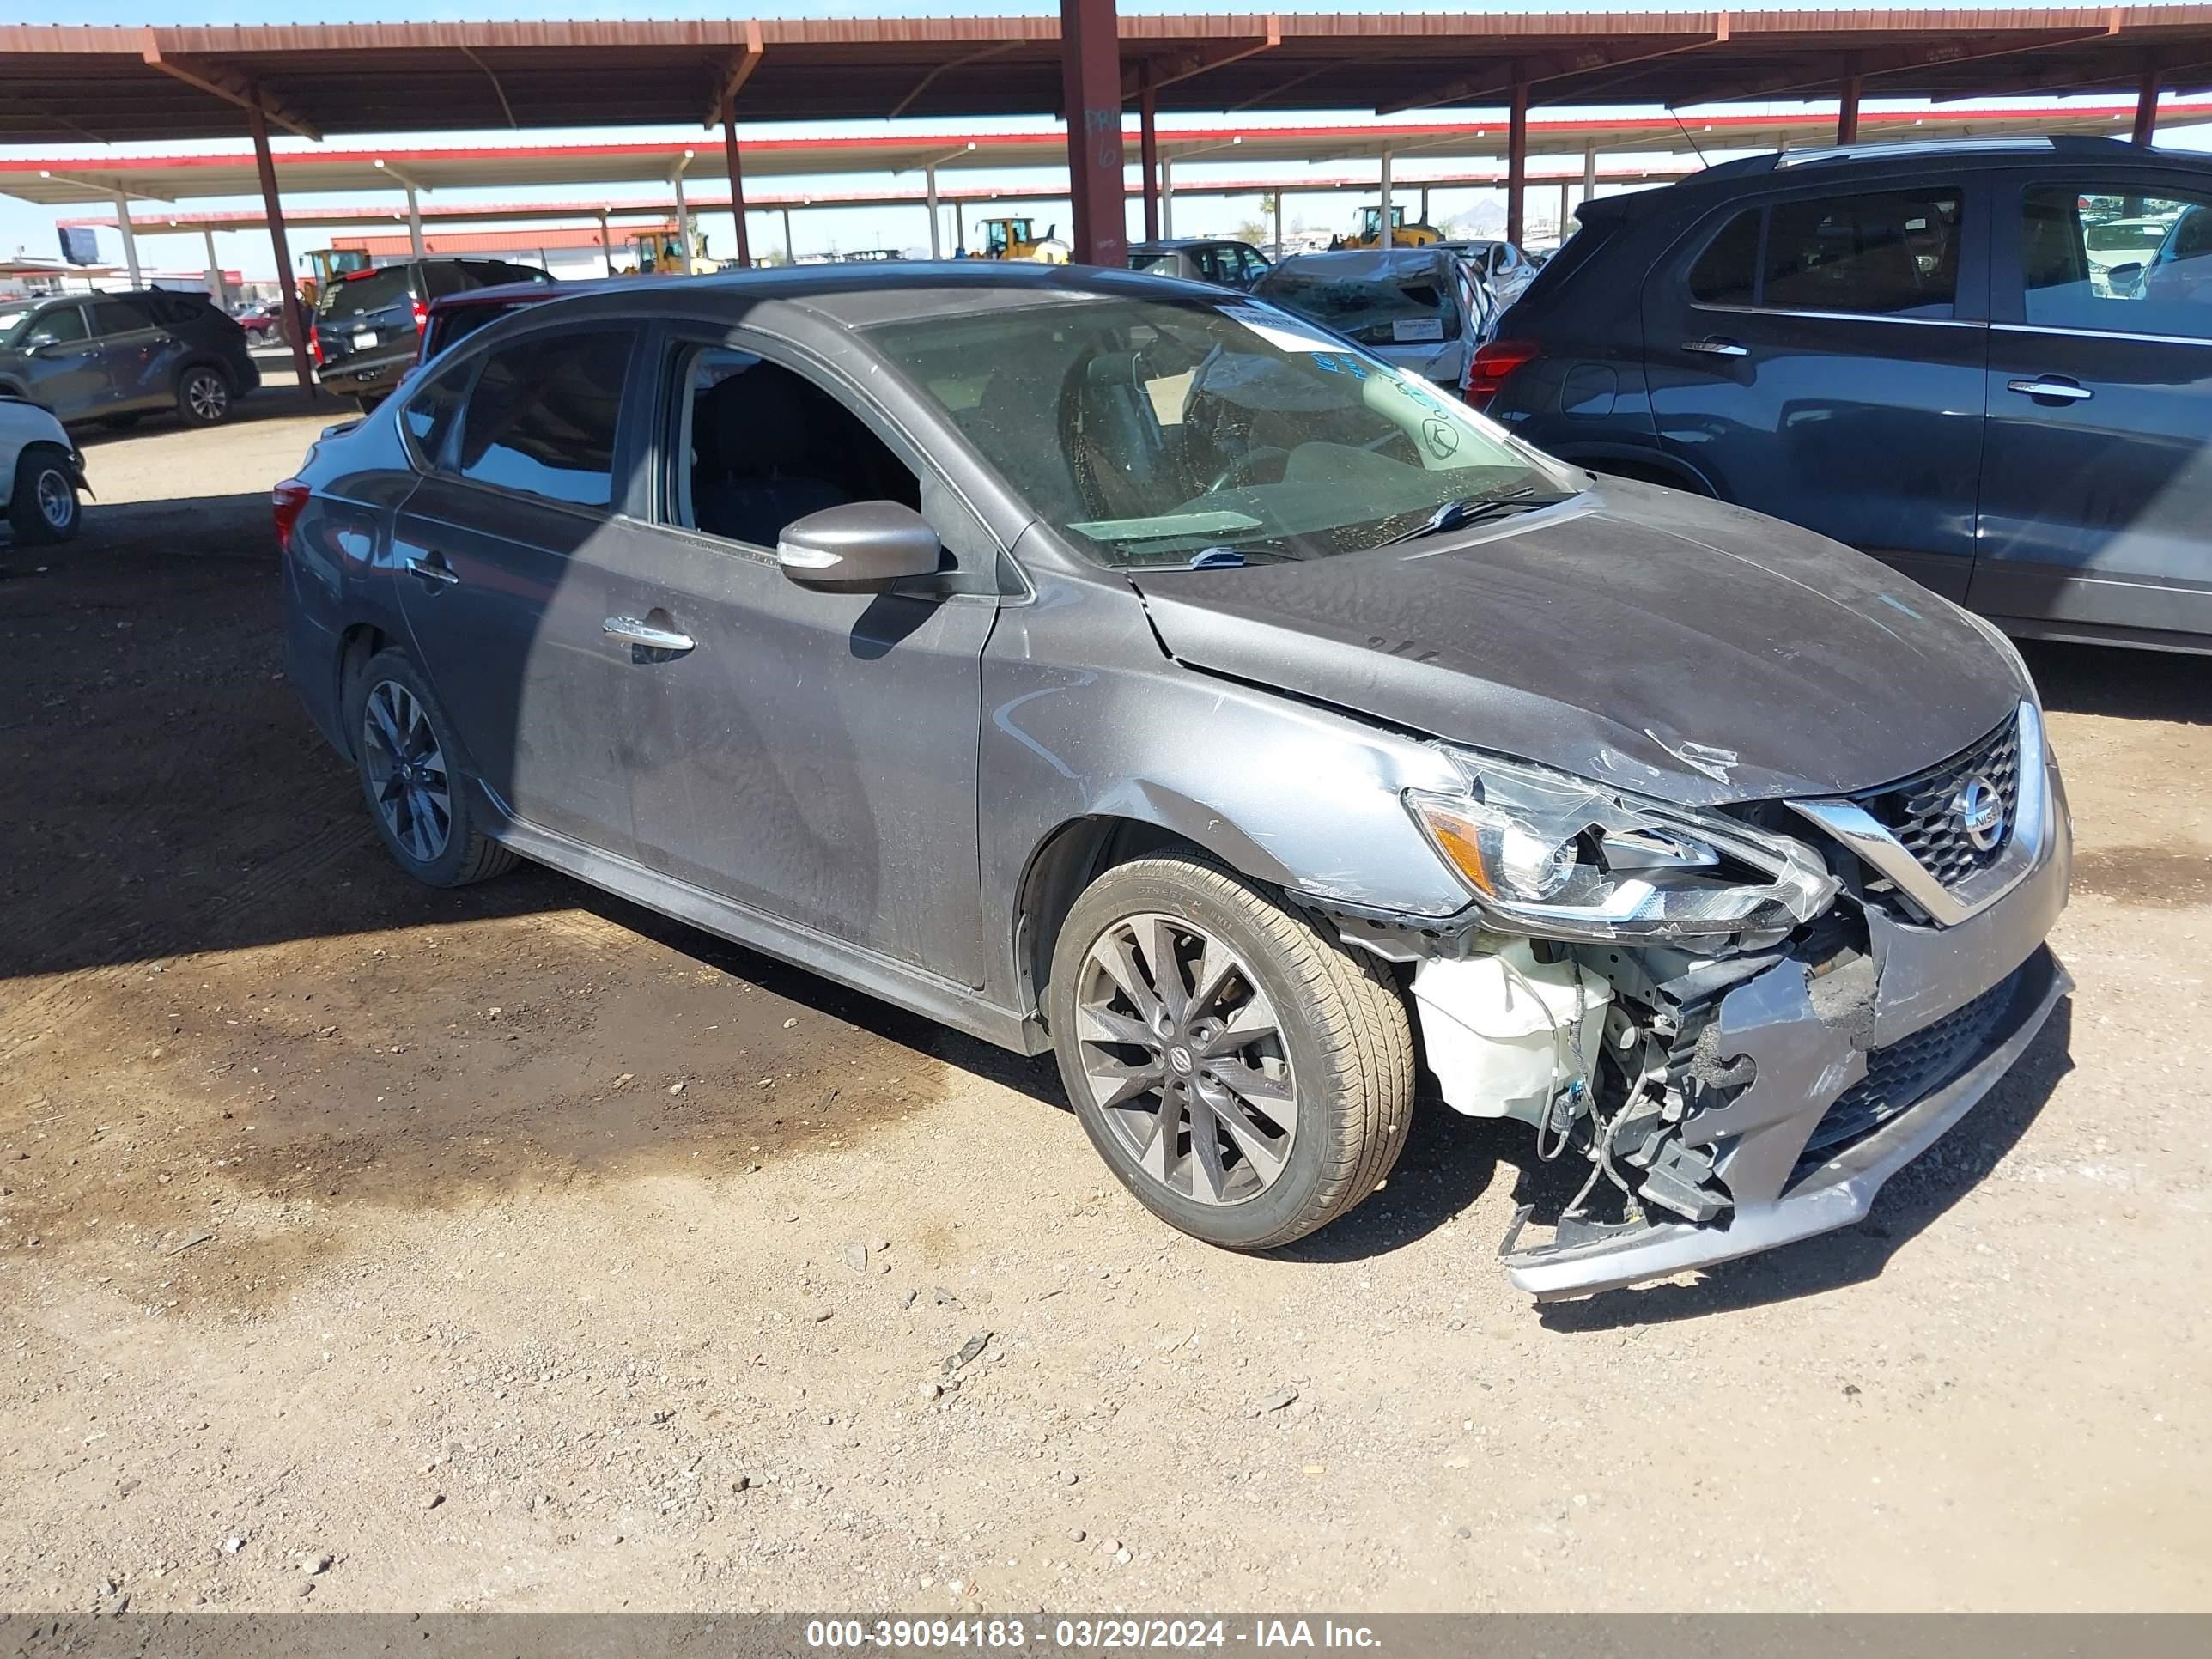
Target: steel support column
1516, 155
606, 245
1589, 172
928, 190
217, 288
130, 238
1847, 105
682, 218
1091, 94
1565, 206
736, 164
1148, 151
2145, 106
1384, 238
295, 320
415, 222
1167, 196
1279, 225
790, 253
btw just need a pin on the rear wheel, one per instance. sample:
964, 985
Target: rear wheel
412, 777
203, 396
44, 508
1247, 1078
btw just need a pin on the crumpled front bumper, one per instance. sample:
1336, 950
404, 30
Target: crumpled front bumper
1804, 1063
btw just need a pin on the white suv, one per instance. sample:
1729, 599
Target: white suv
40, 474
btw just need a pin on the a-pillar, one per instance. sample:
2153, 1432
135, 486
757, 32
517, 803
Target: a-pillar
130, 238
1516, 155
736, 164
2146, 106
1148, 151
1847, 104
1090, 94
295, 320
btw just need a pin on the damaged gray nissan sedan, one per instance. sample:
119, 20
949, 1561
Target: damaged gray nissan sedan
1102, 664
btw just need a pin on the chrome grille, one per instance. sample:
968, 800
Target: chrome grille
1900, 1075
1922, 813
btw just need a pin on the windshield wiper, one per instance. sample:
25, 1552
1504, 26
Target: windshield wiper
1472, 509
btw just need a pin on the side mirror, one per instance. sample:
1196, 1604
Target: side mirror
2121, 278
863, 546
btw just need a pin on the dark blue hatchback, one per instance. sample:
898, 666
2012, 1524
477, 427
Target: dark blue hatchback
1988, 364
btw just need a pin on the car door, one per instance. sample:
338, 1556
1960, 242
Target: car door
1819, 356
496, 557
62, 367
2096, 497
808, 754
132, 353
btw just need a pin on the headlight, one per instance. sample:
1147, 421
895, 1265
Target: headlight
1547, 854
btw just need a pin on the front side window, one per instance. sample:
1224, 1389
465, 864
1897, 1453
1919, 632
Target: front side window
760, 446
1891, 253
2115, 259
542, 417
62, 326
1153, 433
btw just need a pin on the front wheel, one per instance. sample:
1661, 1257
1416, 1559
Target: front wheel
202, 396
44, 508
1246, 1077
412, 777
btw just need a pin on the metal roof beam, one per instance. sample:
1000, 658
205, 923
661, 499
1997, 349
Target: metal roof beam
735, 73
1820, 73
221, 81
1166, 71
1468, 89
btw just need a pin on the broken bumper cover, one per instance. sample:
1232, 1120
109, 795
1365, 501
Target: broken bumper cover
1836, 1195
1805, 1065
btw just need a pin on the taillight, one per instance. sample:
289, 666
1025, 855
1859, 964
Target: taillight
1491, 365
422, 316
287, 501
315, 344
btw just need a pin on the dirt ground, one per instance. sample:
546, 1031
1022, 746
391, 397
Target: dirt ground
368, 1247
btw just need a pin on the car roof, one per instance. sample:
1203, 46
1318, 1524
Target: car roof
1373, 263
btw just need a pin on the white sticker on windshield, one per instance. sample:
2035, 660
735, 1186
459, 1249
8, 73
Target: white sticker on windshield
1279, 331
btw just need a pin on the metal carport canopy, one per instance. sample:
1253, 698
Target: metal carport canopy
60, 85
59, 180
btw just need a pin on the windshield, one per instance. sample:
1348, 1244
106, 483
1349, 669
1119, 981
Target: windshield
1369, 300
1154, 432
356, 296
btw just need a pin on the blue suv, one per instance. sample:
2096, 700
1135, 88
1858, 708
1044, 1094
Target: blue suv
1988, 364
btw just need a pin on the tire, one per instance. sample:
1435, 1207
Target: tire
203, 396
1319, 1107
428, 824
44, 508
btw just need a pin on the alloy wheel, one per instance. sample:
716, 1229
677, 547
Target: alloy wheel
56, 500
1185, 1059
407, 771
208, 397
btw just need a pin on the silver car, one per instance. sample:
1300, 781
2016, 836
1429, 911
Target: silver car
1420, 308
1101, 664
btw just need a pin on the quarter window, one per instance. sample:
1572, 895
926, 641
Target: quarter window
2107, 257
1891, 252
543, 415
428, 413
1726, 272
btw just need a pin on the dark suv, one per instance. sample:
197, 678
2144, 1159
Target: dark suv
1939, 353
115, 357
368, 323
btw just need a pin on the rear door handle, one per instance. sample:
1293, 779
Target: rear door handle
2047, 387
636, 630
1715, 346
433, 570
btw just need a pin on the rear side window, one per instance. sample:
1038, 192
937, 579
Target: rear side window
2103, 257
1726, 272
543, 416
114, 317
357, 296
1575, 253
1891, 252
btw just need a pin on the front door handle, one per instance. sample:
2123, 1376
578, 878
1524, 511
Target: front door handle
1715, 346
2049, 386
433, 570
636, 630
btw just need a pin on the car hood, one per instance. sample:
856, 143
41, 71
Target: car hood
1664, 643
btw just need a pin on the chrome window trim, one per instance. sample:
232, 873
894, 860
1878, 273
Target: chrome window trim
1866, 835
1842, 316
2104, 334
